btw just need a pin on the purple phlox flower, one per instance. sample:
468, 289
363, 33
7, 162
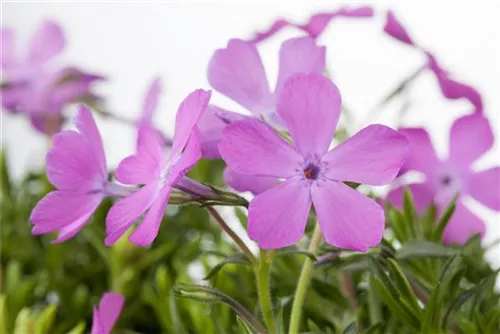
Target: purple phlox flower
309, 105
106, 314
471, 136
315, 25
76, 166
450, 88
237, 72
149, 107
30, 84
158, 175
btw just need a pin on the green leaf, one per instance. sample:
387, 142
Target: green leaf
410, 213
432, 313
243, 326
78, 329
404, 287
23, 323
5, 181
445, 218
352, 328
238, 258
423, 249
287, 252
45, 320
450, 269
457, 303
3, 314
377, 328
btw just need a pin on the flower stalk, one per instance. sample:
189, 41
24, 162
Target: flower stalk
262, 273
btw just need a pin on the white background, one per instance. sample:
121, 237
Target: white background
131, 43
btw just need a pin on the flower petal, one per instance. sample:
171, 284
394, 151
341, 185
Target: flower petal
310, 107
7, 49
145, 233
126, 211
60, 209
348, 219
394, 28
273, 29
484, 187
145, 166
462, 225
373, 156
251, 147
471, 136
254, 184
72, 163
106, 314
277, 217
423, 196
188, 114
46, 43
190, 156
150, 102
422, 156
211, 126
87, 127
238, 73
300, 55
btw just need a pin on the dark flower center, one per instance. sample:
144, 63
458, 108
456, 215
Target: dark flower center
446, 180
311, 171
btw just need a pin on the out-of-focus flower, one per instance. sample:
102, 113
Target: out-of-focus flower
450, 88
33, 86
106, 314
237, 72
471, 136
158, 175
315, 25
309, 105
76, 166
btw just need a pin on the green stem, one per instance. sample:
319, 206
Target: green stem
263, 288
304, 279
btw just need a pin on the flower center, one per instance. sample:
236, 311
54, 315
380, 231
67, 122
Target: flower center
311, 171
445, 181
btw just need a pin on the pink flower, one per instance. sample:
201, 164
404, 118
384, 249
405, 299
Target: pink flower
470, 137
33, 86
106, 314
159, 175
316, 24
450, 88
309, 105
76, 166
238, 73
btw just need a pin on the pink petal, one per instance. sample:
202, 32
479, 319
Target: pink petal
277, 217
72, 163
60, 209
471, 136
47, 42
188, 114
348, 219
373, 156
273, 29
7, 48
422, 156
310, 107
211, 126
237, 72
423, 196
394, 28
106, 314
190, 156
300, 55
126, 211
151, 102
87, 127
251, 147
462, 225
145, 166
484, 187
254, 184
145, 233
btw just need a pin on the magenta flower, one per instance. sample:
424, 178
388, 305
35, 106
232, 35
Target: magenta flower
106, 314
309, 105
450, 88
149, 167
316, 24
470, 137
33, 86
76, 166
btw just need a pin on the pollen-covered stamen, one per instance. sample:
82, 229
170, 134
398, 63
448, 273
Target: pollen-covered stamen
311, 171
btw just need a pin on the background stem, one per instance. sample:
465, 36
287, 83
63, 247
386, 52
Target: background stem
264, 290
